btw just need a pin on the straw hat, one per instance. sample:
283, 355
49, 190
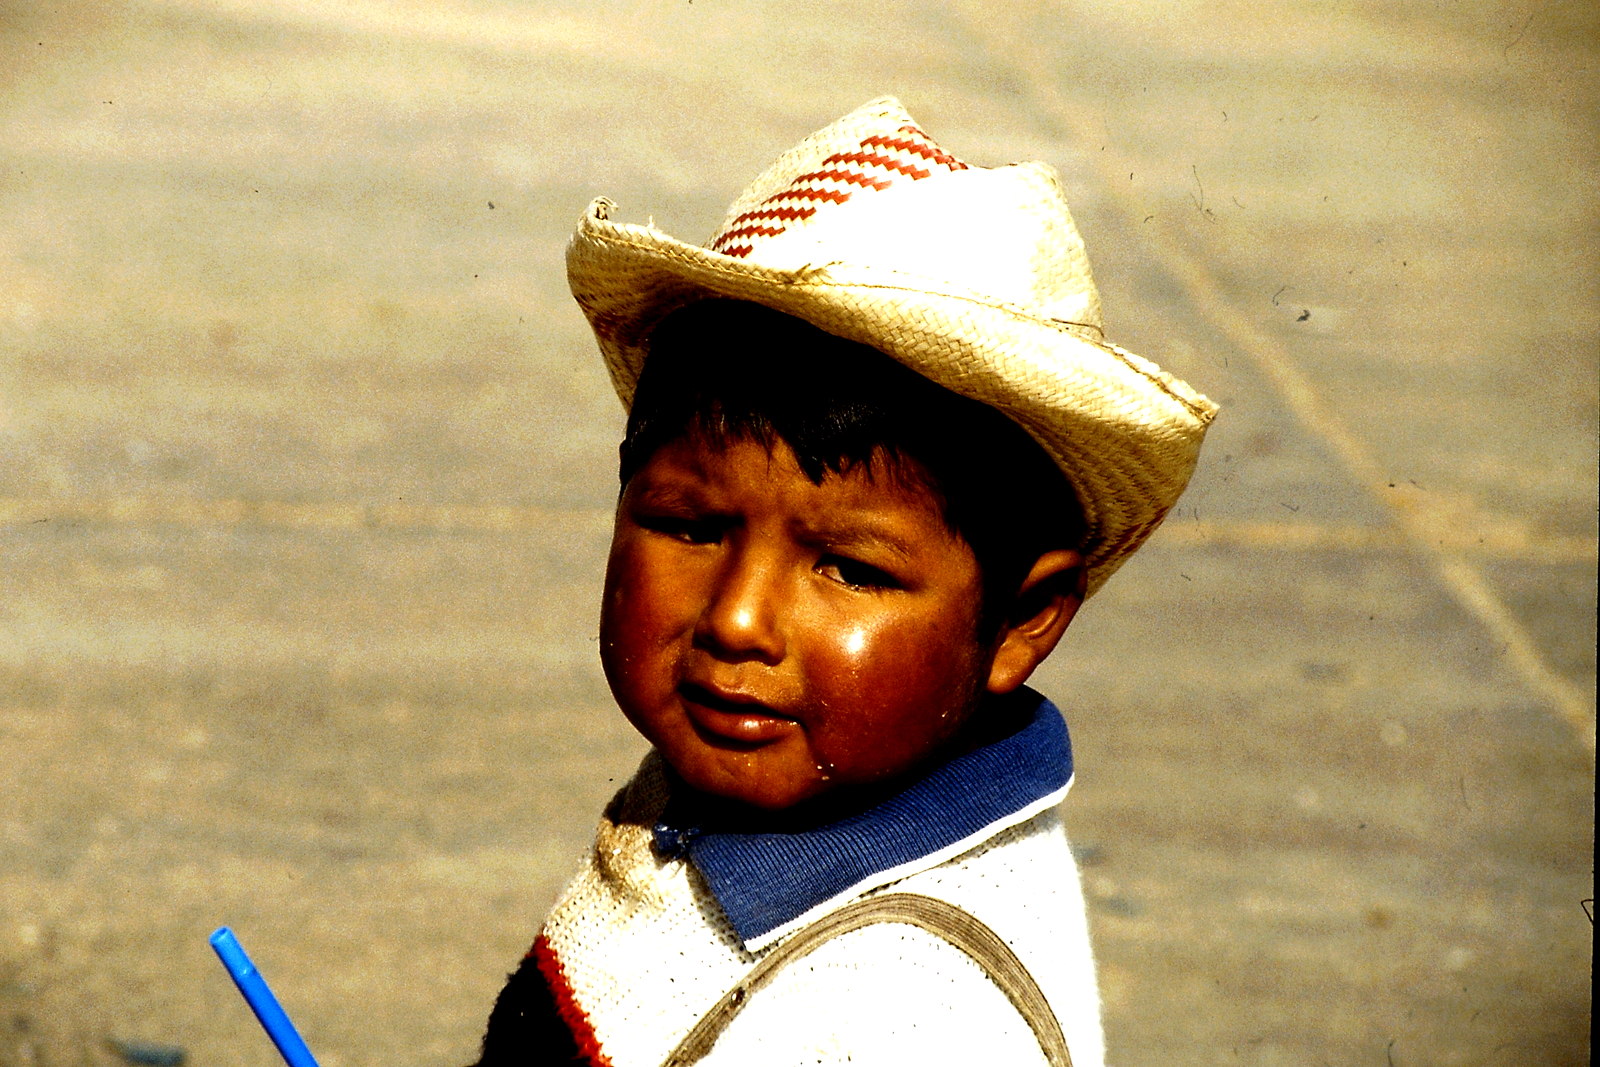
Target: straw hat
975, 278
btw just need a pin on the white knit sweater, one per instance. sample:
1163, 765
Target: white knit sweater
638, 948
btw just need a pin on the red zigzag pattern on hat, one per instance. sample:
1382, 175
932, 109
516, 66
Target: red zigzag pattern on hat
878, 162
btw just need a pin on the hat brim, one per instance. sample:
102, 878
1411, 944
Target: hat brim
1126, 434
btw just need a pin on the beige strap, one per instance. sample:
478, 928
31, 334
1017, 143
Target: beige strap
943, 920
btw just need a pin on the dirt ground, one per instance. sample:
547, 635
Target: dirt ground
306, 462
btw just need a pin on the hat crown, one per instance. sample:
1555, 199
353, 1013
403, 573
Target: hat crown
873, 193
871, 149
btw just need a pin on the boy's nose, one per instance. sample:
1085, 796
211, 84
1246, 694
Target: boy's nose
741, 618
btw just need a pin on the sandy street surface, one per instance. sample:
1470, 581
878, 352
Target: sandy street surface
306, 462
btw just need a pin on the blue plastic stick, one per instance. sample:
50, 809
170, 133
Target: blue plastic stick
256, 993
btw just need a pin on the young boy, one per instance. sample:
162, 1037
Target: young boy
877, 454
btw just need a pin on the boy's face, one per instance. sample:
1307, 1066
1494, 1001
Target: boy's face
776, 639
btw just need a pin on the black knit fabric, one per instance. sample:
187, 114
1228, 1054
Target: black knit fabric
525, 1030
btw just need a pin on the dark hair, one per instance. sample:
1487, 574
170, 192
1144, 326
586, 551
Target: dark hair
728, 370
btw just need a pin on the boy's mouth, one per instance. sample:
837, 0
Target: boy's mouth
729, 717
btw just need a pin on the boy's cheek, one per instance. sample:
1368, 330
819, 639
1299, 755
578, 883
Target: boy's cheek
905, 703
643, 586
890, 654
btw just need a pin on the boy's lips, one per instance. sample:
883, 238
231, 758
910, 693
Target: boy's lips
733, 716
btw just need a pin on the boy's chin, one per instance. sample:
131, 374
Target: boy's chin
766, 778
772, 806
758, 799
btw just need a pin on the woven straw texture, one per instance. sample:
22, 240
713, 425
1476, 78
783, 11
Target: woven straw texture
975, 278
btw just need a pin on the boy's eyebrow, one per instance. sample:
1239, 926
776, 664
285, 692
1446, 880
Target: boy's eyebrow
669, 493
869, 533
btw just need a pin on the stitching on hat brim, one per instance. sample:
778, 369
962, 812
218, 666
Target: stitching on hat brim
1203, 412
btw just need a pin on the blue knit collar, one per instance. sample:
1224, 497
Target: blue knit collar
771, 883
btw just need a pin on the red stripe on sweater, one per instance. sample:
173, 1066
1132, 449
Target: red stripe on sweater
567, 1006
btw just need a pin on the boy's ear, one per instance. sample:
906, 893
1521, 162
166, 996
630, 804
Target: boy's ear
1045, 603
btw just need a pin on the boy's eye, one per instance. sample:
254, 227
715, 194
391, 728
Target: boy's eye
854, 573
694, 530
